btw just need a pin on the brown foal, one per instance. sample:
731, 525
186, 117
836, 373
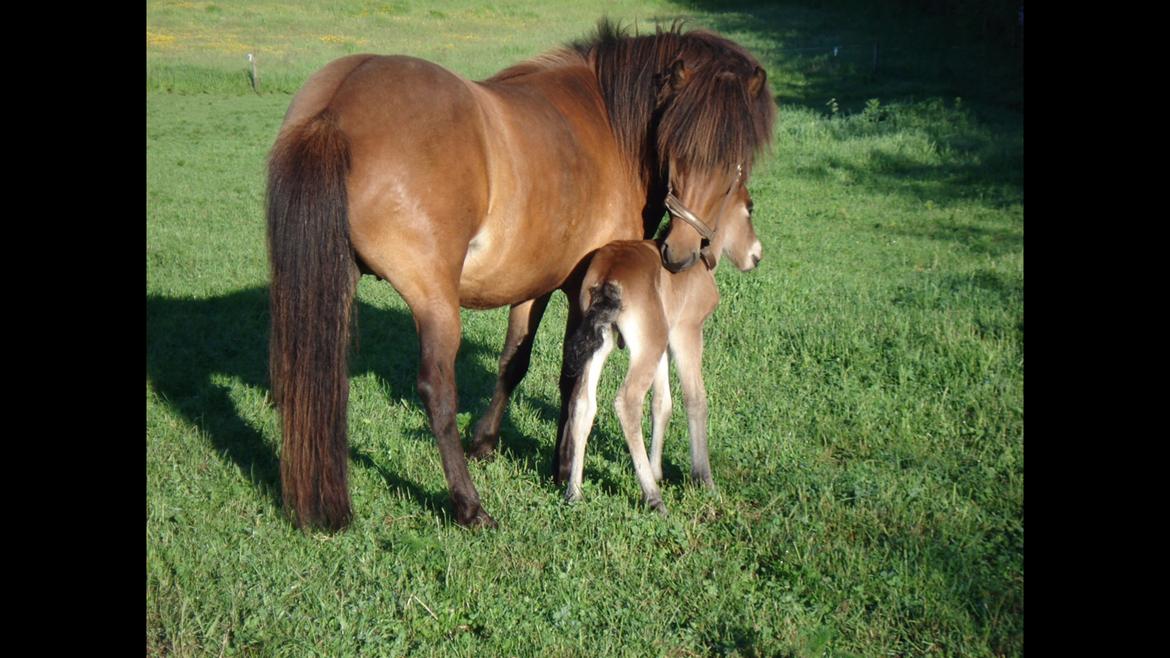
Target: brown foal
628, 291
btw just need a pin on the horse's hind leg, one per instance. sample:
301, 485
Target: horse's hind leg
523, 320
660, 412
439, 335
563, 452
687, 348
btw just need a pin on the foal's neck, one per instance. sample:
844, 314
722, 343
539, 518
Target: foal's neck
693, 287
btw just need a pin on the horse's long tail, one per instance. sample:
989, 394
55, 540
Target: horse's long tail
314, 278
603, 309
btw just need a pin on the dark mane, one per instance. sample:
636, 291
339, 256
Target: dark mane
712, 122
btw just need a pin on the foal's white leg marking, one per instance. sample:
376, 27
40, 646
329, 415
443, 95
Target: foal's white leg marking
582, 410
687, 347
660, 412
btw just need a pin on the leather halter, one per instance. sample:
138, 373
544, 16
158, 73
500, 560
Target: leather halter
677, 209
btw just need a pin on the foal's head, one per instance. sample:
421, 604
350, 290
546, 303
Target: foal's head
736, 235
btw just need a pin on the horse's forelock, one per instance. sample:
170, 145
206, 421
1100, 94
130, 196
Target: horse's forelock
713, 121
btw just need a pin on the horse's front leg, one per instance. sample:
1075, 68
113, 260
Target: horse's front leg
523, 321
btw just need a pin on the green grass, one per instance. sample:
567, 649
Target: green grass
865, 383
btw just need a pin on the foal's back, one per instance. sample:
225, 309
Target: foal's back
654, 301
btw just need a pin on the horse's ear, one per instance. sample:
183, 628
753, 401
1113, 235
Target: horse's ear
679, 74
671, 80
756, 82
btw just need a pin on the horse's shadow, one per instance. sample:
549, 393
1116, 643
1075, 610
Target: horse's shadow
192, 344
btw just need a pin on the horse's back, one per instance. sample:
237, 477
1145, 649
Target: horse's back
500, 186
629, 263
368, 87
315, 95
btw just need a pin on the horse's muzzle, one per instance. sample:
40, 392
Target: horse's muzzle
675, 268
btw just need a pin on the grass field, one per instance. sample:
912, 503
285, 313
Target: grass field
865, 383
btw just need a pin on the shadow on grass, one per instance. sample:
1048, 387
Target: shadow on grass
855, 50
192, 343
917, 141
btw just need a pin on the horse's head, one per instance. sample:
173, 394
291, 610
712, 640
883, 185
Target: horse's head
725, 226
700, 209
715, 115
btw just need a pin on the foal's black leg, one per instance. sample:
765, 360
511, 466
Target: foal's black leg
522, 323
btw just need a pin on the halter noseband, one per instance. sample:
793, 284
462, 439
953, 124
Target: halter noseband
677, 209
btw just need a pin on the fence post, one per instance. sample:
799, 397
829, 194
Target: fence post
253, 77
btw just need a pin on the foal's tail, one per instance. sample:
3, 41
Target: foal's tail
603, 309
314, 278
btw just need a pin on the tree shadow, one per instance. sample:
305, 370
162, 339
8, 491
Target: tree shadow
193, 344
852, 51
947, 127
976, 239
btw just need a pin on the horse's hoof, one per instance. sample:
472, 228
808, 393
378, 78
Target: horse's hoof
481, 451
483, 442
658, 506
480, 519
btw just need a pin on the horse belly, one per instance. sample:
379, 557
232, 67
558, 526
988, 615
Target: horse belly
557, 190
499, 272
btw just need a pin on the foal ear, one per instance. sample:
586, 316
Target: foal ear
756, 82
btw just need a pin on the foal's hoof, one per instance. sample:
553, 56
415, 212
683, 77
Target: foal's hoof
658, 506
704, 480
479, 519
561, 477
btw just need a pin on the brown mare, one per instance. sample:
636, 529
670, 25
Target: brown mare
627, 291
479, 194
